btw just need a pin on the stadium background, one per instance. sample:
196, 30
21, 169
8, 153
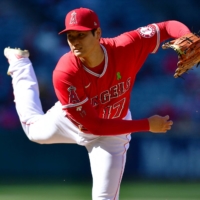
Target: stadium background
34, 25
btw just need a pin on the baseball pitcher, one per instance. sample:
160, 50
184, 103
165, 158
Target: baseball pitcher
93, 83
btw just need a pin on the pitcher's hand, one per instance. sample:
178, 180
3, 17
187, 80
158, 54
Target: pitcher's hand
159, 124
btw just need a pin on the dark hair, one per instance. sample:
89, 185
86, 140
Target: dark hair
93, 31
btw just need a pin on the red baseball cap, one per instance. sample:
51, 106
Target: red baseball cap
81, 19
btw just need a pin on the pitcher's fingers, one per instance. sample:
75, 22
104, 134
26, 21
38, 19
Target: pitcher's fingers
170, 122
166, 117
169, 128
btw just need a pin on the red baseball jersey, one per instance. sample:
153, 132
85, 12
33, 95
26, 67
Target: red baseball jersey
109, 91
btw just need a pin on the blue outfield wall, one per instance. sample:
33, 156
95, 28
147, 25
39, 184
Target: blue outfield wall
149, 157
161, 157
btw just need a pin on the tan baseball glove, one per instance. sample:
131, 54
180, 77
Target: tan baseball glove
188, 50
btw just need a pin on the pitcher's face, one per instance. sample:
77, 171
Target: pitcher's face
82, 43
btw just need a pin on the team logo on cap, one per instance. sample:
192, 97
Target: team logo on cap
147, 31
73, 18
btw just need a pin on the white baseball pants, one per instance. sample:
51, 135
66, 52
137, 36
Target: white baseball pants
107, 154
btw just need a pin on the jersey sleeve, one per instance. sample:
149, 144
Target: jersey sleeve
89, 122
144, 40
68, 85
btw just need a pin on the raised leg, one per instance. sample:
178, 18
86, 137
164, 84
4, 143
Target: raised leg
40, 127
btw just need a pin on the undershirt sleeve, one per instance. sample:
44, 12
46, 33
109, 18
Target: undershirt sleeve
172, 29
87, 116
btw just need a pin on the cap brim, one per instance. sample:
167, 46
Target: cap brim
62, 31
75, 28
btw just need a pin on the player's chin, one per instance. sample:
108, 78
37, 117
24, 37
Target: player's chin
77, 53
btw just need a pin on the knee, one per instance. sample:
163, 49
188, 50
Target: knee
46, 130
43, 136
38, 140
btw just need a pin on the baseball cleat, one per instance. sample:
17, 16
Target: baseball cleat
15, 54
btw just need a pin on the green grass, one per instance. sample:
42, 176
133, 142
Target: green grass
45, 192
75, 191
160, 191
